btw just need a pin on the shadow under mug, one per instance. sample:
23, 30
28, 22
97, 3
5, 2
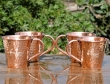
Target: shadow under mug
91, 50
17, 50
75, 47
34, 50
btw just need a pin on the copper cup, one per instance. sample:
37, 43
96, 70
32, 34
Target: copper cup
75, 47
34, 50
91, 50
17, 50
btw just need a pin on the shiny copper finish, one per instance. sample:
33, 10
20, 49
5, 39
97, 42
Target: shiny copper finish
74, 47
17, 50
91, 51
34, 50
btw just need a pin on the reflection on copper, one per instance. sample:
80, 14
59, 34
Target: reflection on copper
79, 75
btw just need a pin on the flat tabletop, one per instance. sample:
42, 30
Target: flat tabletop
54, 69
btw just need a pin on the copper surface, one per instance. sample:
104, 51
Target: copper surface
92, 51
74, 47
17, 50
34, 49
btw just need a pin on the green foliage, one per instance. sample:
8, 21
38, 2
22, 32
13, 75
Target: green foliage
100, 19
99, 14
48, 16
87, 2
1, 45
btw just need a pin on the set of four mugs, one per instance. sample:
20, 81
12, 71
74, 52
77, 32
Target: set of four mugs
82, 47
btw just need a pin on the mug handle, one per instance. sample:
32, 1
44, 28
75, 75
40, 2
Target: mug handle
56, 42
68, 50
53, 43
41, 51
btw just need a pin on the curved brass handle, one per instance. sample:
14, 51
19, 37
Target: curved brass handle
53, 43
56, 43
68, 51
41, 51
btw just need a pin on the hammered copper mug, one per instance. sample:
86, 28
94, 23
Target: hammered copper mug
34, 50
17, 50
75, 49
91, 50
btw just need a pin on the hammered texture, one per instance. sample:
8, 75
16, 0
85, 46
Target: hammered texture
92, 51
36, 46
16, 52
92, 54
75, 49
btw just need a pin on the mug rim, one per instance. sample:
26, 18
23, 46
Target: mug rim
79, 34
16, 37
29, 33
92, 39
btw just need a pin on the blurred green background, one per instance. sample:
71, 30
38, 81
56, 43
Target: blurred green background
52, 17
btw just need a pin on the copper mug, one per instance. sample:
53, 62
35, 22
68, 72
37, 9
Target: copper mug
91, 50
34, 50
75, 49
17, 50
